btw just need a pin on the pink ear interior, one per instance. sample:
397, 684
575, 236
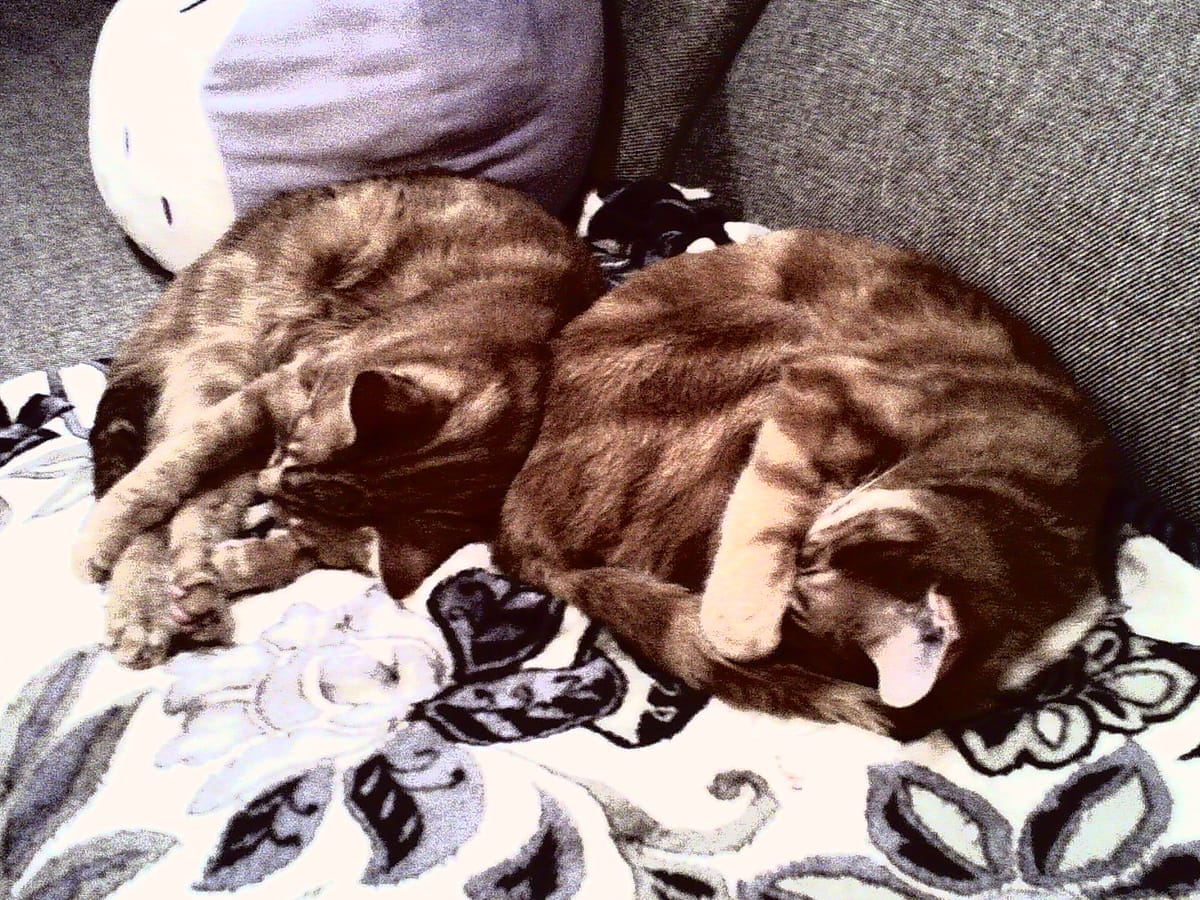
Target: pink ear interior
909, 658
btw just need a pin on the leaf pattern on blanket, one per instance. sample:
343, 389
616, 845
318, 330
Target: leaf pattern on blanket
1092, 835
528, 704
70, 466
96, 868
28, 429
548, 867
30, 721
491, 623
1114, 681
831, 878
67, 775
656, 706
936, 832
1099, 822
269, 832
418, 800
47, 780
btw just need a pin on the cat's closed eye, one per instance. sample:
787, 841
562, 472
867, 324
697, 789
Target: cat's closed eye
894, 567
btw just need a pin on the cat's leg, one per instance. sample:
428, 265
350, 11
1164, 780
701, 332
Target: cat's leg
284, 554
263, 563
138, 624
751, 581
175, 467
823, 437
119, 434
199, 599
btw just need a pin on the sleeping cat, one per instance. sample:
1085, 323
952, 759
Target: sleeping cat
371, 356
817, 476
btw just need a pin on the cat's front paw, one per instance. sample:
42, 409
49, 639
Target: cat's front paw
88, 562
138, 640
740, 632
201, 613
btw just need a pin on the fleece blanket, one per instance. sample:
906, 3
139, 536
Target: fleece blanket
482, 740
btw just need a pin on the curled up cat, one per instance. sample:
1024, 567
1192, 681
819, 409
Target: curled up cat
817, 476
371, 356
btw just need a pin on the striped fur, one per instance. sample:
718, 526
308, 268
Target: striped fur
757, 465
371, 355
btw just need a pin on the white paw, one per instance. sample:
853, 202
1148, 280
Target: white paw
87, 563
139, 644
740, 638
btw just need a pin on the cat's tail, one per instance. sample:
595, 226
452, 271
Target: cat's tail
119, 434
660, 622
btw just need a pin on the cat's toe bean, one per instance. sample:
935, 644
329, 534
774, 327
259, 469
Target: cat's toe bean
139, 646
195, 602
180, 616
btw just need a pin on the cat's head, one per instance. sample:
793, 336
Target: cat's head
942, 600
398, 440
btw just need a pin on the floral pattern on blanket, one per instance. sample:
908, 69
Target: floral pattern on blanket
390, 719
483, 740
381, 705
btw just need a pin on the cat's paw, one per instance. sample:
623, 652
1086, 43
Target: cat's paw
237, 564
103, 539
742, 633
139, 641
201, 613
87, 562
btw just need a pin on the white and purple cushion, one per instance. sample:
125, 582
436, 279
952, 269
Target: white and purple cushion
202, 109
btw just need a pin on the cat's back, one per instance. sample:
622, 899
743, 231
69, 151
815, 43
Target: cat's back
738, 315
380, 242
658, 390
312, 265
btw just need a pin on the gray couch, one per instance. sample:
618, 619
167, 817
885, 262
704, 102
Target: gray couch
1048, 151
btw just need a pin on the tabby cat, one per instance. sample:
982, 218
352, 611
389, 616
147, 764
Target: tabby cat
817, 476
371, 356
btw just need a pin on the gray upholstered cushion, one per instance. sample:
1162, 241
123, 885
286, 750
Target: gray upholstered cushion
1049, 151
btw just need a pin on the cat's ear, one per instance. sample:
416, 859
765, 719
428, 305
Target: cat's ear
386, 405
909, 657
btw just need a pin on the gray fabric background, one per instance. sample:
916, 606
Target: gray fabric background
1047, 151
70, 286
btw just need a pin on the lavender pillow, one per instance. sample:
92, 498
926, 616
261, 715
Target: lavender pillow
303, 93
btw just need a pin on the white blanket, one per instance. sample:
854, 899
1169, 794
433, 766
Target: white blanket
484, 741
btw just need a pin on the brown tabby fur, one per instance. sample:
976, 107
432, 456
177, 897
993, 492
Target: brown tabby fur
788, 449
371, 356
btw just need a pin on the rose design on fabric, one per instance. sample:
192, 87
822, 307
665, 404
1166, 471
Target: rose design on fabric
381, 705
1114, 681
1093, 835
315, 685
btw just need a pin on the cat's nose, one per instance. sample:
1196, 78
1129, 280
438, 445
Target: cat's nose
270, 480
